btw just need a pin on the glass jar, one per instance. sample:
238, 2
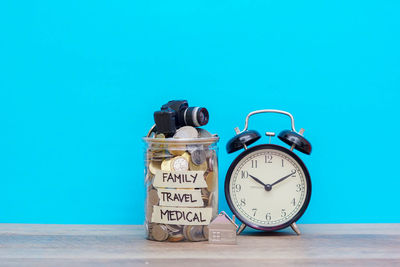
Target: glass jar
181, 179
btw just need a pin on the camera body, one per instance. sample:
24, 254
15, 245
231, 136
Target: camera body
177, 113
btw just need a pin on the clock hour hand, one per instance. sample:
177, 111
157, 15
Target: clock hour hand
280, 180
257, 180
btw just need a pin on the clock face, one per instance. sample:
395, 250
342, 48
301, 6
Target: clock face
268, 187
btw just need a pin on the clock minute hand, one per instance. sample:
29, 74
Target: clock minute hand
257, 180
283, 178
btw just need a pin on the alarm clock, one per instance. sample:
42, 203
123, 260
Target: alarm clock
267, 186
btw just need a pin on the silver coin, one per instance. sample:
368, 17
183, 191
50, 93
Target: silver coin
204, 133
198, 156
159, 232
173, 228
195, 233
161, 155
152, 197
179, 164
191, 148
205, 232
186, 132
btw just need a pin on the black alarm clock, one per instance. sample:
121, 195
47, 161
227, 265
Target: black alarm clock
267, 186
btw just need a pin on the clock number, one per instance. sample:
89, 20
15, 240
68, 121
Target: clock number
299, 187
282, 163
268, 216
293, 173
245, 174
238, 187
293, 202
268, 158
283, 213
255, 211
243, 202
254, 163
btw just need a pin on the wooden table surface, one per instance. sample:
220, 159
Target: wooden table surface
124, 245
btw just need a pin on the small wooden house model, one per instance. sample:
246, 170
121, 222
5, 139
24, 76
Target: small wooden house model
222, 230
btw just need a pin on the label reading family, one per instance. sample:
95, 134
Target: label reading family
180, 197
184, 216
186, 179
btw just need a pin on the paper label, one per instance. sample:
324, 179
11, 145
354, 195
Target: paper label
183, 216
186, 179
180, 197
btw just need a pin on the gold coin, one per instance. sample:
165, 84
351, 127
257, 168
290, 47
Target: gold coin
186, 155
177, 149
175, 237
166, 165
179, 164
211, 200
154, 166
157, 147
211, 181
201, 167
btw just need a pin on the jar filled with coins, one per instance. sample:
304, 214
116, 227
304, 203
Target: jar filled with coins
181, 179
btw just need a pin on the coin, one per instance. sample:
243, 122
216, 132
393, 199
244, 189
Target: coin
193, 232
210, 180
158, 146
186, 155
149, 211
204, 133
152, 197
177, 149
194, 167
175, 237
190, 148
166, 165
198, 156
154, 166
205, 231
160, 135
188, 132
210, 200
179, 164
210, 164
161, 155
173, 228
159, 232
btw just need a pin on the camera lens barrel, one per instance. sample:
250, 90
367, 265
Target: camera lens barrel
196, 116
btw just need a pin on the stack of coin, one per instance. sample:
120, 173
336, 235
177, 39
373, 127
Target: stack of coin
190, 149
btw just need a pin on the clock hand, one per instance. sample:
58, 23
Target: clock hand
267, 187
257, 180
283, 178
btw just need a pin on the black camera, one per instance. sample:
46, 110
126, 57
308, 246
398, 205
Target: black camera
177, 113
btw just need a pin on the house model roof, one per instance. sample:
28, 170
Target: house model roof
223, 218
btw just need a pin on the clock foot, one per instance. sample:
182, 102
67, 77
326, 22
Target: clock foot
241, 228
295, 228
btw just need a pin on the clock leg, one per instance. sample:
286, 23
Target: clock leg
295, 228
241, 228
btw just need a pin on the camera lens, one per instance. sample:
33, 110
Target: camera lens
196, 116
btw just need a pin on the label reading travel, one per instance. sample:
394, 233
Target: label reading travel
180, 197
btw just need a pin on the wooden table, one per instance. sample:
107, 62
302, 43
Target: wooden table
124, 245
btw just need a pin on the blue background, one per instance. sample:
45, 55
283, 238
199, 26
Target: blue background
80, 80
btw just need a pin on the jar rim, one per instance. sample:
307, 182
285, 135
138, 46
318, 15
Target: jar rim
201, 140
